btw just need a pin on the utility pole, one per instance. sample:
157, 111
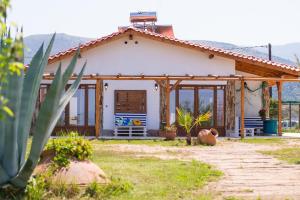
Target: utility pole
270, 58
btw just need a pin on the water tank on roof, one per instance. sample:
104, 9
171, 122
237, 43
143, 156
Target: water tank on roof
143, 17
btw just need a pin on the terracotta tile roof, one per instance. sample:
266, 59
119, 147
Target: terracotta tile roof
208, 49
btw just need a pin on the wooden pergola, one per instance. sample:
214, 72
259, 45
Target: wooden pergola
164, 82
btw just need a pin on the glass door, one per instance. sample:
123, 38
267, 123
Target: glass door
79, 114
198, 99
206, 104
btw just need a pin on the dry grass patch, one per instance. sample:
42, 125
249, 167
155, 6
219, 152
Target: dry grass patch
290, 155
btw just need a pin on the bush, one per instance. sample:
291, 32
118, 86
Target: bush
115, 188
35, 188
69, 147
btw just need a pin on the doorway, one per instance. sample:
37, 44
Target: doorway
199, 99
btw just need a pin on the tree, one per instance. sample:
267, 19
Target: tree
11, 56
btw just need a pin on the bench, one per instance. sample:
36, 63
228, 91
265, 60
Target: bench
130, 124
253, 125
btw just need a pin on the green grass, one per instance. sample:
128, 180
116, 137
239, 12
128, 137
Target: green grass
262, 140
154, 178
290, 155
158, 142
291, 130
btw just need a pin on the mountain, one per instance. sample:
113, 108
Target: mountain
62, 42
287, 51
281, 53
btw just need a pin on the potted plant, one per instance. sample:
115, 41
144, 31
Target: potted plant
270, 125
170, 132
263, 114
187, 122
162, 130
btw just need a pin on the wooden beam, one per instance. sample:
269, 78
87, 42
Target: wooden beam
252, 69
242, 109
279, 90
179, 77
168, 103
176, 84
98, 107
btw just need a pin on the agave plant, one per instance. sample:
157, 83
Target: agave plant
187, 122
21, 92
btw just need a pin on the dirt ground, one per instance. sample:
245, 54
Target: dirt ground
247, 173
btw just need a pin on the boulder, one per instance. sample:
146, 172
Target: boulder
81, 173
208, 137
77, 172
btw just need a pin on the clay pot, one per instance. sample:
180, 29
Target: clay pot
162, 133
170, 135
208, 137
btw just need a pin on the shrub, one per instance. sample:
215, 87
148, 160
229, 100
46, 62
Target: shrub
69, 147
115, 188
35, 188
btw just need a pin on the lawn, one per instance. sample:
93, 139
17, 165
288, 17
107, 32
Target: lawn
154, 178
290, 155
157, 142
261, 140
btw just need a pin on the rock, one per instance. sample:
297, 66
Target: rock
77, 172
81, 173
208, 137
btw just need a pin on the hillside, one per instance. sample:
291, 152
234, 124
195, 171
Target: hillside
281, 53
62, 42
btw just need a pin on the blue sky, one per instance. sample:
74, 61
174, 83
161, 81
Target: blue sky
244, 22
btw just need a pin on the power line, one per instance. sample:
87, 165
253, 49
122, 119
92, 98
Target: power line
249, 47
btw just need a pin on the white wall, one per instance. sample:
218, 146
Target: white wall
150, 58
152, 102
253, 100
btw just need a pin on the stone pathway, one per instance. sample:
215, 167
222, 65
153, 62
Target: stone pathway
247, 173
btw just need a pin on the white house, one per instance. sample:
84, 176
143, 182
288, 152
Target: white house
144, 69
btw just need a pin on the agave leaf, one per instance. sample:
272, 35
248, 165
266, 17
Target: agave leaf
13, 92
3, 176
31, 87
63, 103
70, 69
44, 118
72, 87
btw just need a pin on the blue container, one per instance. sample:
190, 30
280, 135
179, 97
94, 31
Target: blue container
270, 126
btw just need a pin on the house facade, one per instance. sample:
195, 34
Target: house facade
144, 69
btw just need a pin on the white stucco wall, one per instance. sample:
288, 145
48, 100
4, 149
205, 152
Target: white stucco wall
152, 102
155, 58
253, 100
149, 57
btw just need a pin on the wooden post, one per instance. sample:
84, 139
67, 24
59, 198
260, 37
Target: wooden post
98, 107
162, 100
290, 115
230, 107
242, 109
266, 98
279, 90
168, 103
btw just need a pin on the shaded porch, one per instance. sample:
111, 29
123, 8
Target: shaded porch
164, 82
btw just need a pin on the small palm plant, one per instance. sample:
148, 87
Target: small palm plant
188, 122
22, 92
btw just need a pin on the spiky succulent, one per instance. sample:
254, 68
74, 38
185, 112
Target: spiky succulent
22, 92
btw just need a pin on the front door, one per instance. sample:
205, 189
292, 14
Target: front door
201, 99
